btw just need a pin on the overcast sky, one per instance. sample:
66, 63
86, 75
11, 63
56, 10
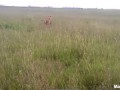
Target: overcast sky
107, 4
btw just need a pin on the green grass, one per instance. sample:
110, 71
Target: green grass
80, 54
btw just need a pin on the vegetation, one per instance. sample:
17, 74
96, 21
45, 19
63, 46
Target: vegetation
80, 50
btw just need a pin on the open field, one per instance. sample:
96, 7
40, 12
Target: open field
80, 50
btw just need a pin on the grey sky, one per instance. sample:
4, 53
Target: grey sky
107, 4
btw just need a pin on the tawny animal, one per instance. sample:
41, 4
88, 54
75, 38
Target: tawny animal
48, 20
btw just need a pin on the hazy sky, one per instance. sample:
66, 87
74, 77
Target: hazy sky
107, 4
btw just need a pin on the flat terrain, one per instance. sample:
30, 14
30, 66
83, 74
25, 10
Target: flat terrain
80, 50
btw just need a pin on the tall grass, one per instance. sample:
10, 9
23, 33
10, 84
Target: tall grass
80, 53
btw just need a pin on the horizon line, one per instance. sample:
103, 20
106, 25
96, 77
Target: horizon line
57, 7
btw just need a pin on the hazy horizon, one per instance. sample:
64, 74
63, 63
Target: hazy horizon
104, 4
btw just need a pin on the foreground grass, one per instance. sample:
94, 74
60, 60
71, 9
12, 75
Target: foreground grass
81, 54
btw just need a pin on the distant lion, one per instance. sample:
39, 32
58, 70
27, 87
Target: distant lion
48, 20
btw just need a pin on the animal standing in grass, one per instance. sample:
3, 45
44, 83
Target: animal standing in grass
48, 21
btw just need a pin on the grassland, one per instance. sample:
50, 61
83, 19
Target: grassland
80, 50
